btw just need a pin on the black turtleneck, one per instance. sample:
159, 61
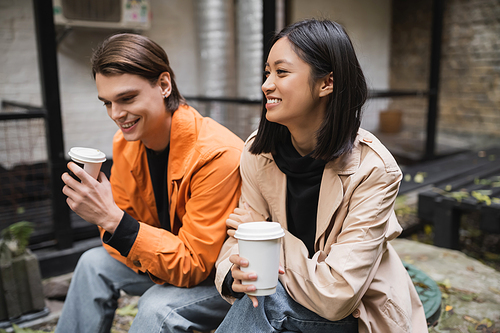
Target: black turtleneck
157, 163
126, 232
303, 183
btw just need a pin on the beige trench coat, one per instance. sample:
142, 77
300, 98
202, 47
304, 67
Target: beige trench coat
354, 270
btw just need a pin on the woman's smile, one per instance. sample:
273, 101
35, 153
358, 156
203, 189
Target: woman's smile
272, 102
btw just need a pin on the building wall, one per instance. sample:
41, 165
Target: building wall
85, 121
470, 86
19, 82
469, 101
174, 27
19, 79
410, 60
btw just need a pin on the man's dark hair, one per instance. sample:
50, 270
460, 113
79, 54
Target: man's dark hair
129, 53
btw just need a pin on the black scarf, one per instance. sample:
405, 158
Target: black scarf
303, 183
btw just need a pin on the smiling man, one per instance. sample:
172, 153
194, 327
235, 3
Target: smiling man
174, 181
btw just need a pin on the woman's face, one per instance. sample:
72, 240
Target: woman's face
137, 107
291, 101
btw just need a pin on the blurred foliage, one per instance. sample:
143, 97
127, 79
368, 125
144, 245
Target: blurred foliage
17, 329
128, 310
16, 237
402, 208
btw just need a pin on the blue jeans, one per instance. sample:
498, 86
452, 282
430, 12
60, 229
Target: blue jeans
95, 288
280, 313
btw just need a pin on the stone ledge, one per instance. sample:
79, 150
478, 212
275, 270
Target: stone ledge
470, 289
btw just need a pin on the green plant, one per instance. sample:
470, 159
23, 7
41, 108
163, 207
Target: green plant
16, 237
17, 329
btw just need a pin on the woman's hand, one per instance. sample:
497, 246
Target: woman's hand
239, 216
91, 199
239, 276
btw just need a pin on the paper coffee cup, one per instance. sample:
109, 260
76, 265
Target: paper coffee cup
91, 159
260, 244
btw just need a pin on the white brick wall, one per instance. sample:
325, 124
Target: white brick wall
19, 79
85, 121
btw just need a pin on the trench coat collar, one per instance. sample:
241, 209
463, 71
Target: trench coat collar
331, 185
346, 164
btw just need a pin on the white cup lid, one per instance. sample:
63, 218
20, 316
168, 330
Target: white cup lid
259, 231
87, 155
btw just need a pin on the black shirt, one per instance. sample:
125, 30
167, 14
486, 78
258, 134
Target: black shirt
158, 171
126, 232
304, 175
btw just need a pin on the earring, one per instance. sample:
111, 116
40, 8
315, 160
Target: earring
166, 94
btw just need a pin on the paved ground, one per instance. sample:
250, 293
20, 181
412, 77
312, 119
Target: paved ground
470, 290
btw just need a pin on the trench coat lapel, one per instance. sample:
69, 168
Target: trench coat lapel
273, 185
331, 193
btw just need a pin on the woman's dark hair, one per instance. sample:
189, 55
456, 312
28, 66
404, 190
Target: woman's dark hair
138, 55
327, 48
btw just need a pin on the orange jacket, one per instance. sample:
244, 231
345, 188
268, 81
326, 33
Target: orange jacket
203, 186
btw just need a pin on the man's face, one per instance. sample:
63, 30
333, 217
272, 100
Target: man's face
137, 107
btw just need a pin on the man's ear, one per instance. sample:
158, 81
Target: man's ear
326, 87
165, 84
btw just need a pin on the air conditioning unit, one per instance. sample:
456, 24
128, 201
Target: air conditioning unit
111, 14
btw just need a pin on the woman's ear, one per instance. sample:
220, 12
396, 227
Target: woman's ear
326, 87
165, 84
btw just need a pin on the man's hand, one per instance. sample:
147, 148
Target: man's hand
92, 199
